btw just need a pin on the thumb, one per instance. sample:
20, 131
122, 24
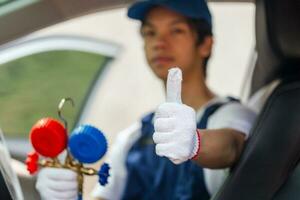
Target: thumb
174, 85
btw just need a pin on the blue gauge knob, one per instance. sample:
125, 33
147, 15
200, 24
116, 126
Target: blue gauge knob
87, 144
103, 174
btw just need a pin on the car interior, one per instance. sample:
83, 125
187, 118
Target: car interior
269, 166
50, 12
4, 192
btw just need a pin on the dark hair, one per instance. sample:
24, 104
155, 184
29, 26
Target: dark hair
203, 29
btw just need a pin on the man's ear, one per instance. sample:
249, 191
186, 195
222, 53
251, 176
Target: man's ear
205, 47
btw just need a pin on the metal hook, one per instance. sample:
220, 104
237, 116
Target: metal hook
60, 106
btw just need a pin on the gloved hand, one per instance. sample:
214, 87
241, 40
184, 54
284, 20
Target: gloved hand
57, 184
176, 135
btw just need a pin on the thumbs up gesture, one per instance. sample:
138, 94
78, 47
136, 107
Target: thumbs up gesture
176, 135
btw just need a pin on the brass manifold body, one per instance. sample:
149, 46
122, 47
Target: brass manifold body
71, 164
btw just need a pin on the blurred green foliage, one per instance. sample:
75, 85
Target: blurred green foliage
32, 87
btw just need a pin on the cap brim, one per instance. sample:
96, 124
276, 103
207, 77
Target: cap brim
140, 9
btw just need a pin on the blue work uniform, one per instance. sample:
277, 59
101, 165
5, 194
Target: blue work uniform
154, 177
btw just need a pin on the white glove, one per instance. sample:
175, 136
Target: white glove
57, 184
175, 124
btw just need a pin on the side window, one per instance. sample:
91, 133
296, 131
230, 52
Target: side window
31, 87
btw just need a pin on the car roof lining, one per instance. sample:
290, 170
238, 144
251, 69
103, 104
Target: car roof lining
51, 12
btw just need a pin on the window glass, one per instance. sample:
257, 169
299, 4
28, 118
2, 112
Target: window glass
32, 87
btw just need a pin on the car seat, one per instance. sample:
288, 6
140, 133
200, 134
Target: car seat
269, 166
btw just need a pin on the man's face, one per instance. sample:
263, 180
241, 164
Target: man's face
169, 41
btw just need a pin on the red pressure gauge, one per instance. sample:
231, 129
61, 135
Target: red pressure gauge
48, 137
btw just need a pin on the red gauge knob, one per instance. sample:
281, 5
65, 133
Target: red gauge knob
32, 162
48, 137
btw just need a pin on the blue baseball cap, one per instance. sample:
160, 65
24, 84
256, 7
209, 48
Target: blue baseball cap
196, 9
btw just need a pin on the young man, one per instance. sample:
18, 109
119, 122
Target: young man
175, 33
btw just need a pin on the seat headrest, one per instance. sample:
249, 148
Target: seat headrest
277, 40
